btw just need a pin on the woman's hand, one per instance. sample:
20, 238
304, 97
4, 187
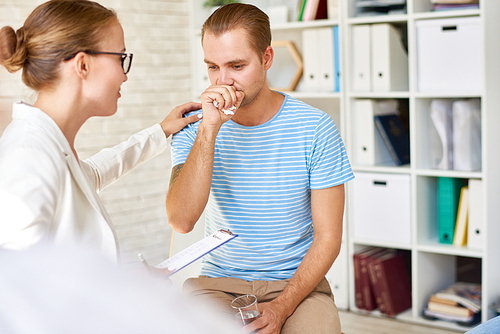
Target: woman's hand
175, 121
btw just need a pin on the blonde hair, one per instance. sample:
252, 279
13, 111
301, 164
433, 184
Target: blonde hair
53, 31
238, 15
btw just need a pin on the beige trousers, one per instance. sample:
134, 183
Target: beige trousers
317, 314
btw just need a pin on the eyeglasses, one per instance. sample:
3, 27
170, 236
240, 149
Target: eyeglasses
126, 58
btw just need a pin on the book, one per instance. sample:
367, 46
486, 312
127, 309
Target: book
357, 282
393, 282
365, 299
302, 6
460, 237
369, 297
309, 10
462, 321
321, 10
433, 298
450, 309
196, 250
395, 137
465, 294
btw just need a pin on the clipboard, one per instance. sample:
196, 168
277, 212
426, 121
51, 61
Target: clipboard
197, 250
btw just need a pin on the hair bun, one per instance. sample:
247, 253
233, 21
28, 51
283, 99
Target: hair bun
10, 43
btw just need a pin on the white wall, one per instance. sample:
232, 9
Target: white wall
156, 31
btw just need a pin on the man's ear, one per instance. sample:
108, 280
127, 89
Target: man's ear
81, 64
268, 57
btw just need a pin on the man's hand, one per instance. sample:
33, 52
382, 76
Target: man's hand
272, 317
175, 121
225, 98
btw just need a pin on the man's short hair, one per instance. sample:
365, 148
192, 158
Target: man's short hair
238, 15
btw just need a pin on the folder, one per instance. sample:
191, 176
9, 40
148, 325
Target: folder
441, 134
389, 64
319, 59
369, 146
475, 238
361, 58
467, 135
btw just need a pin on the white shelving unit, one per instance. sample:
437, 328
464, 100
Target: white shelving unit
433, 265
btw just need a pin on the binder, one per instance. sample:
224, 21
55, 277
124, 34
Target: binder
361, 58
319, 59
460, 237
336, 58
441, 134
309, 56
333, 9
475, 229
467, 135
326, 53
448, 196
389, 64
369, 146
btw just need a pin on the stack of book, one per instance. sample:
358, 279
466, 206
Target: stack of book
460, 302
381, 281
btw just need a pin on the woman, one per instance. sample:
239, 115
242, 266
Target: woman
72, 53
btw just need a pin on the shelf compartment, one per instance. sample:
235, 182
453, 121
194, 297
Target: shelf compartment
368, 149
429, 150
438, 272
427, 220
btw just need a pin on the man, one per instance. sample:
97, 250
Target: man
273, 173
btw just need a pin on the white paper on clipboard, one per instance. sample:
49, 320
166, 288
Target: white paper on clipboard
197, 250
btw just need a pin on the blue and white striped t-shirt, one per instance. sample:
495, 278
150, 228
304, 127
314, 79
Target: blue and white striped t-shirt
261, 186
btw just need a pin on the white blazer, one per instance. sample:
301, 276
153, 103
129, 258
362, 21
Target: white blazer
48, 196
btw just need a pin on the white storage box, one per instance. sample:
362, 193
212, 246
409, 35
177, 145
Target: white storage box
381, 208
449, 55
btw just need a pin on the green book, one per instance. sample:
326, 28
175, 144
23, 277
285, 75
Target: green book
302, 6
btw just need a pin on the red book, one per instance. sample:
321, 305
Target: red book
394, 289
357, 281
362, 286
321, 11
374, 281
